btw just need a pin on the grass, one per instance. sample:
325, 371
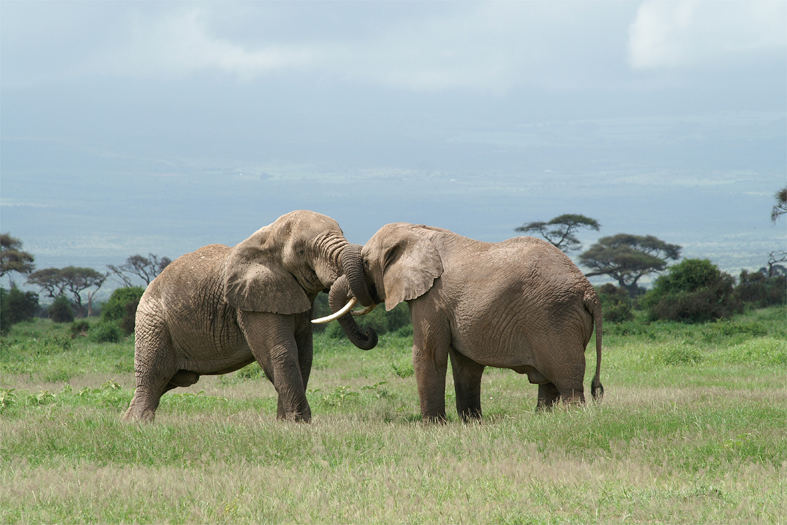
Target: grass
692, 430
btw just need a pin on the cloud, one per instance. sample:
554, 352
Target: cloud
183, 43
490, 47
487, 47
686, 33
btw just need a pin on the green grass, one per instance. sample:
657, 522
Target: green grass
691, 430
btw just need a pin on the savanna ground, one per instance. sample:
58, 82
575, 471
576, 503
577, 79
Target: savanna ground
691, 430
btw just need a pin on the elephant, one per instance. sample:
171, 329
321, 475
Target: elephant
219, 308
519, 304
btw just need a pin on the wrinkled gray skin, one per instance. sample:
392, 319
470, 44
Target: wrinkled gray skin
519, 304
218, 309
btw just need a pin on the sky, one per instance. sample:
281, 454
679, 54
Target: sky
159, 127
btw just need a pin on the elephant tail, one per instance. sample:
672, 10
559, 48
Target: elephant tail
593, 305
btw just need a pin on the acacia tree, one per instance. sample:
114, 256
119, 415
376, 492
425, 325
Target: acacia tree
49, 280
55, 282
780, 208
86, 280
627, 258
145, 268
12, 257
774, 268
560, 230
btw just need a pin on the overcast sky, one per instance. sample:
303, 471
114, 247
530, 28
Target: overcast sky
136, 127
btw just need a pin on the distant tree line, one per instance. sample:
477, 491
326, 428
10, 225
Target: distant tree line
693, 290
72, 289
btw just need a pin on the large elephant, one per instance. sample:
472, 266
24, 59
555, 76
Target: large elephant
519, 304
218, 309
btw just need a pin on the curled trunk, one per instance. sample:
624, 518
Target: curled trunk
365, 339
352, 266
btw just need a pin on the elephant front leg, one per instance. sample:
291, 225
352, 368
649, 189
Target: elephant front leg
467, 384
430, 369
431, 344
288, 381
271, 338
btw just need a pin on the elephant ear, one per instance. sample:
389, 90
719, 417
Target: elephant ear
255, 279
409, 269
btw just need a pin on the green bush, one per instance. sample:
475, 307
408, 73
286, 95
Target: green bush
694, 290
677, 354
759, 290
16, 306
106, 332
61, 311
616, 303
79, 328
321, 309
122, 307
382, 322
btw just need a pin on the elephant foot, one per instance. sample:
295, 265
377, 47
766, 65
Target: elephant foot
548, 396
470, 415
133, 416
438, 419
297, 417
573, 398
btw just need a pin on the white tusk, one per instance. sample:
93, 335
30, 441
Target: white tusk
365, 310
328, 318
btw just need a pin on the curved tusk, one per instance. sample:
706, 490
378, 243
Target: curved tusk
328, 318
365, 310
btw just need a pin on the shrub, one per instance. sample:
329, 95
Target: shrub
321, 309
757, 289
616, 303
334, 330
694, 290
122, 307
106, 332
60, 311
382, 322
16, 306
79, 328
677, 355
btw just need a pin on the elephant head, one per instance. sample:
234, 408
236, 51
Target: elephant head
400, 263
281, 267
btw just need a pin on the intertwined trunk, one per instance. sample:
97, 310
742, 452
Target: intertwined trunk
364, 339
346, 258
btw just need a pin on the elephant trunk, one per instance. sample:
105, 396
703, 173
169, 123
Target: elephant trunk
352, 267
365, 339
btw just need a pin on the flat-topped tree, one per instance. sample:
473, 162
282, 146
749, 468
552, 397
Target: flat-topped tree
780, 208
12, 257
627, 258
560, 230
145, 268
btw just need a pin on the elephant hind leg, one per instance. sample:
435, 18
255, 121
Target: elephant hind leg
145, 402
573, 395
548, 396
154, 368
147, 397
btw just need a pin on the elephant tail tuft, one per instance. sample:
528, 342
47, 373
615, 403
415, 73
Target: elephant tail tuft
593, 305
